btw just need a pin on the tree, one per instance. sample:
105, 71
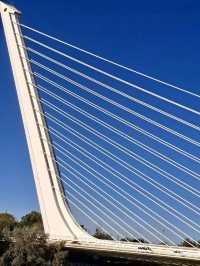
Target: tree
29, 248
135, 240
83, 227
61, 255
189, 243
61, 259
32, 219
99, 233
141, 240
4, 240
7, 221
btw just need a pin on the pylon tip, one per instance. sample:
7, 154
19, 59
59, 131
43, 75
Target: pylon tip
5, 7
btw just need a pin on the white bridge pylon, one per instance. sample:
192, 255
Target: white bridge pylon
59, 223
57, 219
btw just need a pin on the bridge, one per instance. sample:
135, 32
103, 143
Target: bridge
120, 153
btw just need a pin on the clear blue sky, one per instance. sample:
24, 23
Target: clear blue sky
159, 38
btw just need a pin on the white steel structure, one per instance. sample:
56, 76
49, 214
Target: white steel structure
58, 221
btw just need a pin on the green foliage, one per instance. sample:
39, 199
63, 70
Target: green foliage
99, 233
60, 254
25, 244
83, 227
134, 240
60, 258
4, 246
7, 221
32, 219
28, 248
31, 248
190, 243
141, 240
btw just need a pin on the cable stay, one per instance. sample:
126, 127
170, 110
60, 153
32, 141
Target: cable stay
110, 61
113, 161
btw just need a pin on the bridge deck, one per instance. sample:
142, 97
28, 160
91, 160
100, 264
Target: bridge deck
139, 251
